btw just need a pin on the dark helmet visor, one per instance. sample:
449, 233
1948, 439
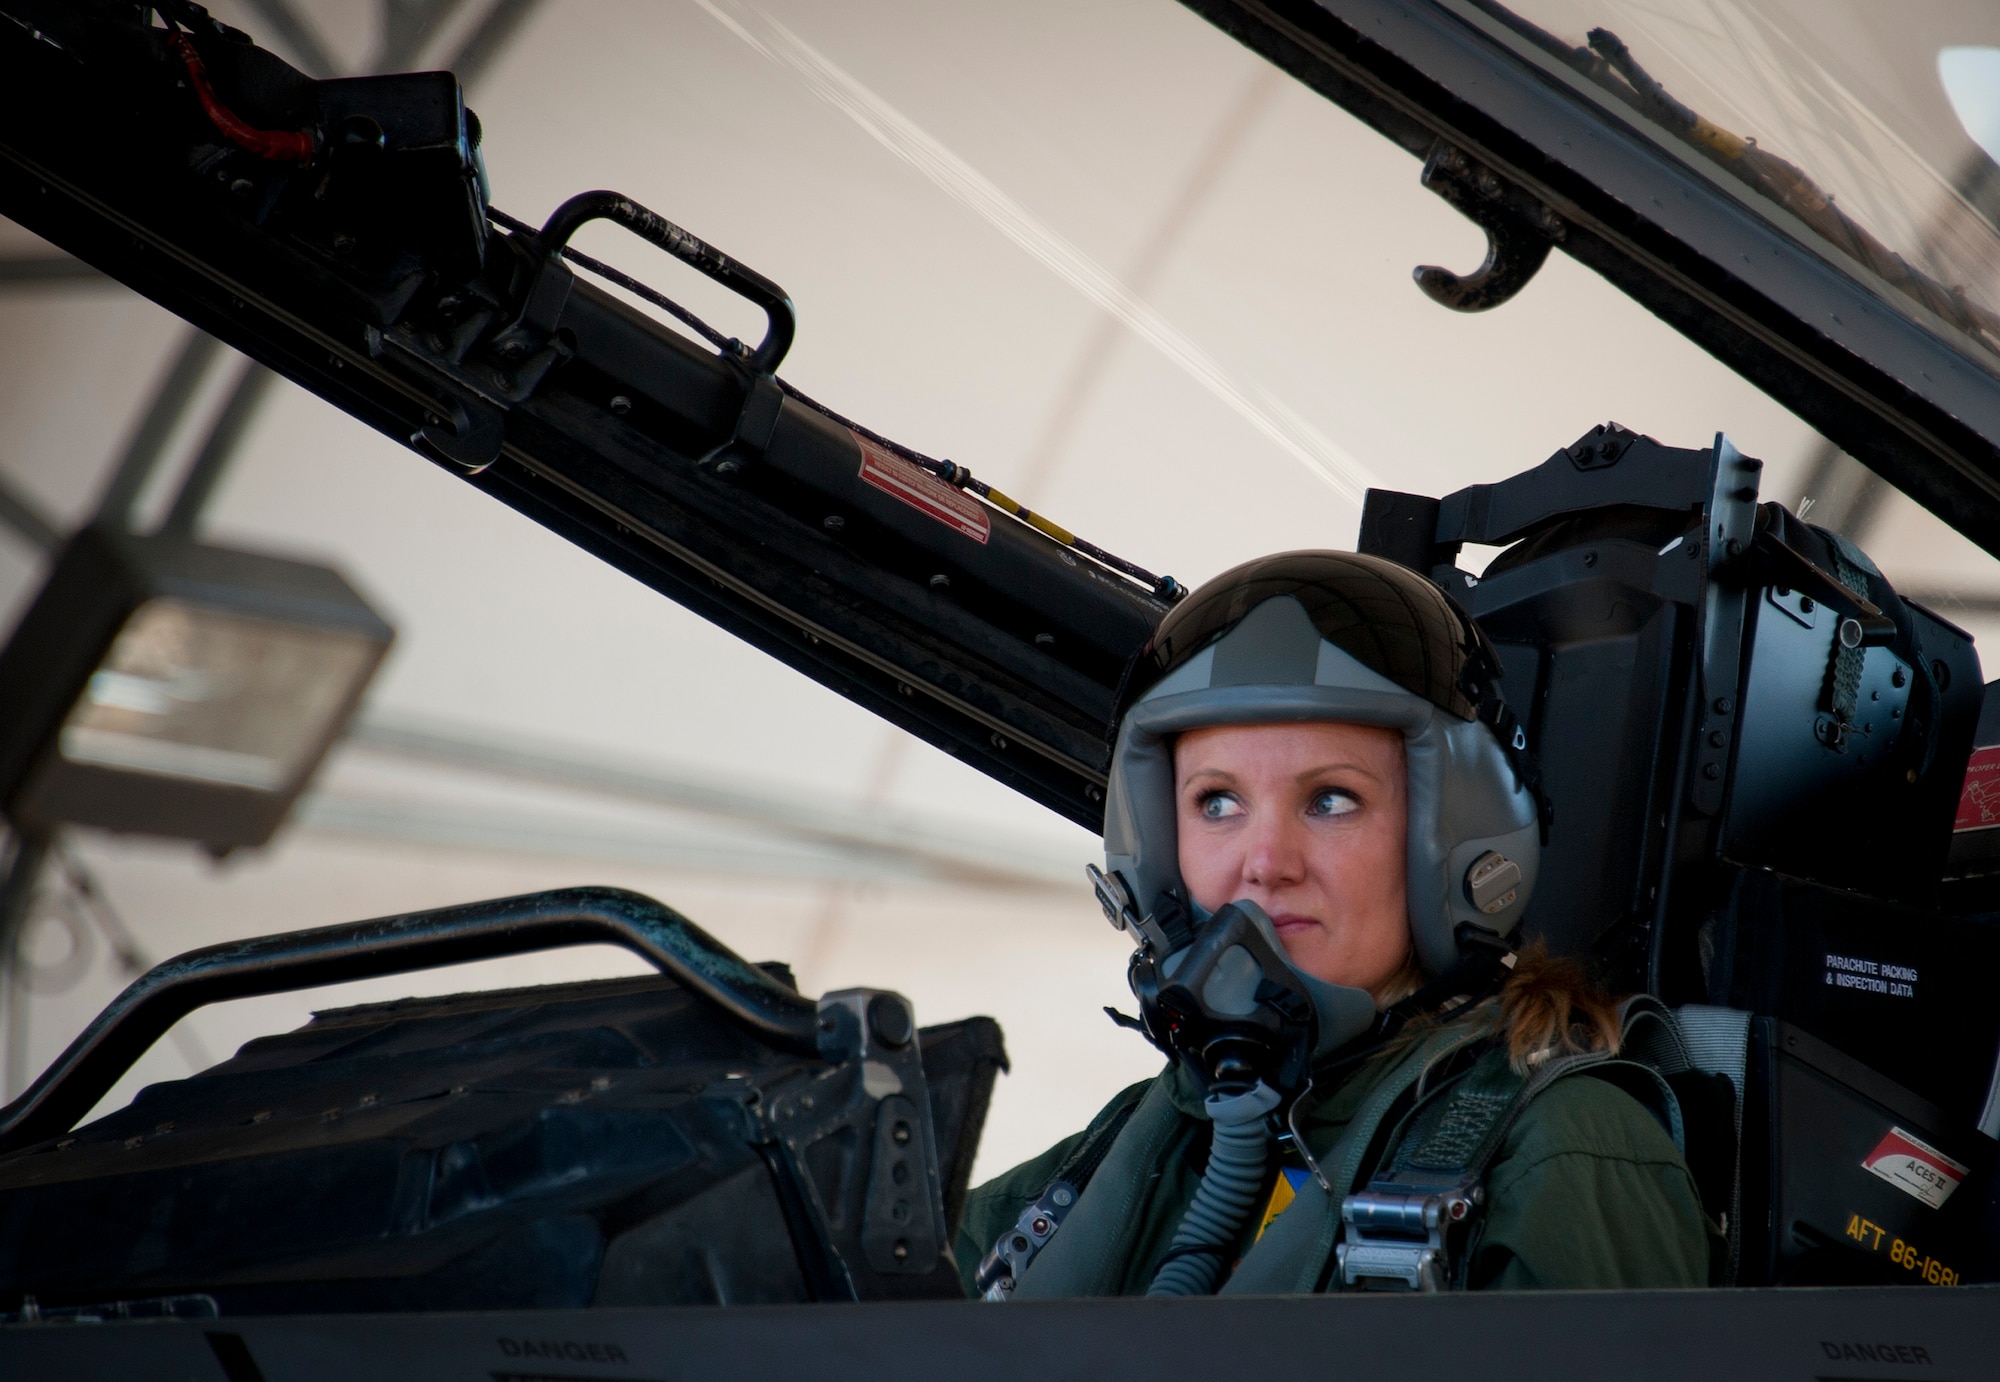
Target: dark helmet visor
1388, 618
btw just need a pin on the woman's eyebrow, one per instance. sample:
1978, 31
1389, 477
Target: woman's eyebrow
1338, 766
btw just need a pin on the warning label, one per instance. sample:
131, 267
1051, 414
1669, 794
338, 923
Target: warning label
1915, 1167
923, 491
1979, 799
1871, 976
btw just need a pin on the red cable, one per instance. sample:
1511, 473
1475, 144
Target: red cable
295, 146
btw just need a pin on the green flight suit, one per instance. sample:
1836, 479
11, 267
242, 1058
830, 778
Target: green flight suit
1587, 1190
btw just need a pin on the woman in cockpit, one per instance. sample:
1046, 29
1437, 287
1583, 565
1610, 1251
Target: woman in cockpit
1323, 829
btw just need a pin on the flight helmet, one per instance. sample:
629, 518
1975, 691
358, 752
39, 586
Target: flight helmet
1333, 636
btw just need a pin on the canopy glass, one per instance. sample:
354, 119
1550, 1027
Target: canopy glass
1854, 127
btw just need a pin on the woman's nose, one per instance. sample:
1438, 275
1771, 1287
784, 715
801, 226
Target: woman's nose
1273, 856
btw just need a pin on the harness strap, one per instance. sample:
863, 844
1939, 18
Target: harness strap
1423, 1198
1001, 1270
1718, 1041
1399, 1230
1086, 1258
1409, 1226
1290, 1258
1083, 1160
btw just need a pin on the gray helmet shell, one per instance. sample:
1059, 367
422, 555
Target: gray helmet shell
1474, 828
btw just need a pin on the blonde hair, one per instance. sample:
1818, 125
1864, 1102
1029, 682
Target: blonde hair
1551, 1006
1548, 1006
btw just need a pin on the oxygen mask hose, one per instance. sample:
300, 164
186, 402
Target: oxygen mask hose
1228, 1192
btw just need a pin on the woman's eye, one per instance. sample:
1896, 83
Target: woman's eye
1333, 802
1220, 806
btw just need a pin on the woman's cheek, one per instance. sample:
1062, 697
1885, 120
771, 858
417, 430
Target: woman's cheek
1208, 866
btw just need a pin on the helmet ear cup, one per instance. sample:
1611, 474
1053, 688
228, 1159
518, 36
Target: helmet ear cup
1466, 802
1493, 882
1495, 876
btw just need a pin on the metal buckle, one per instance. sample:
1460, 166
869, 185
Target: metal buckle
1119, 909
1000, 1271
1398, 1239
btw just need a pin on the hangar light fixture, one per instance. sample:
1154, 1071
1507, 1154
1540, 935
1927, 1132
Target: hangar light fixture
163, 686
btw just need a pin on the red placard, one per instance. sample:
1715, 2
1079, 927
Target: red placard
1979, 799
1915, 1167
923, 491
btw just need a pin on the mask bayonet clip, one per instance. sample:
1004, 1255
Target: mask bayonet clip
1116, 900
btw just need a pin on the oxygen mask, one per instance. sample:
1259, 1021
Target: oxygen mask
1220, 996
1230, 1005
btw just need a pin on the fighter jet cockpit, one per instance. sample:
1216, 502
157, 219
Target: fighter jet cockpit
703, 689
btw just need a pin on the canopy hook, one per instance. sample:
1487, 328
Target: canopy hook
1519, 231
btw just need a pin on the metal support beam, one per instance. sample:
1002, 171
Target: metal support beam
480, 47
1957, 604
293, 30
149, 439
51, 271
25, 517
213, 458
407, 25
1842, 494
17, 896
849, 842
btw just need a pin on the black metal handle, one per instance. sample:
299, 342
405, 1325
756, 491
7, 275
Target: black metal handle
658, 230
1518, 233
171, 990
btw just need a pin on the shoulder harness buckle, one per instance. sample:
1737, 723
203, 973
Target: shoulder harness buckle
1400, 1236
1408, 1228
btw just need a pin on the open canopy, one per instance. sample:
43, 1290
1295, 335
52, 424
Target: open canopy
1789, 185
